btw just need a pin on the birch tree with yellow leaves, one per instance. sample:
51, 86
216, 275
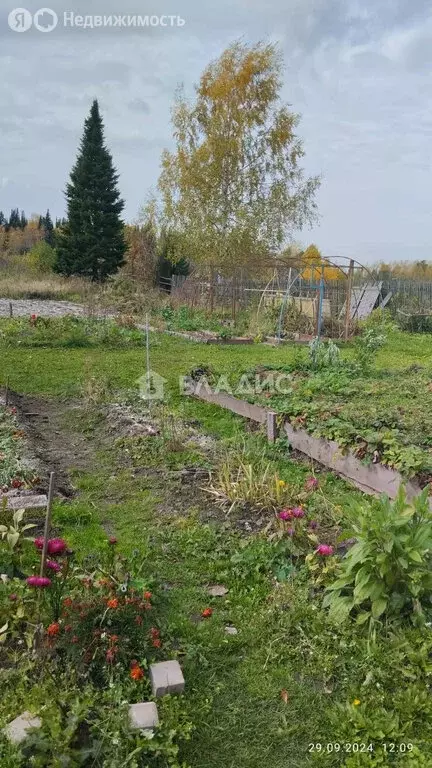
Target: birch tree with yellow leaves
233, 187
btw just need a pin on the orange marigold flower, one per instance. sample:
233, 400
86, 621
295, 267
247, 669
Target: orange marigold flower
148, 595
156, 643
67, 602
207, 612
53, 629
136, 673
112, 602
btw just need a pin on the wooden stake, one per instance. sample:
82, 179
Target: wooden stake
348, 300
10, 309
47, 523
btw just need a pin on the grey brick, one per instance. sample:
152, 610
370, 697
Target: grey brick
166, 677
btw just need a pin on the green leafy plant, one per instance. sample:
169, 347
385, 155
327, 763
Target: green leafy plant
12, 539
322, 355
387, 574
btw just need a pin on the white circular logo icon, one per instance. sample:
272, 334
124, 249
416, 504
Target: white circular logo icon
20, 20
45, 20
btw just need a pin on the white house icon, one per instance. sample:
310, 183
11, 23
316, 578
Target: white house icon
151, 386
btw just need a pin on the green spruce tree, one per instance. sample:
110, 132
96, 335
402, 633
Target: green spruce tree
92, 241
48, 228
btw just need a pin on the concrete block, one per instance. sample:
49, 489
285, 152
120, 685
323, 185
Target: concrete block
144, 715
166, 677
231, 630
272, 430
18, 729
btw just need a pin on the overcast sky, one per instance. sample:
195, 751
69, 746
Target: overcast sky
358, 71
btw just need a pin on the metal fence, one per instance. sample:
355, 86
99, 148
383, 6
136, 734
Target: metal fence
246, 292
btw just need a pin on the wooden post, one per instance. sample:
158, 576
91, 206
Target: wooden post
10, 309
348, 300
47, 523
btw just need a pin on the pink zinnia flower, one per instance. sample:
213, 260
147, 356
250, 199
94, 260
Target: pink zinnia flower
324, 550
311, 484
38, 581
56, 546
285, 514
53, 566
298, 512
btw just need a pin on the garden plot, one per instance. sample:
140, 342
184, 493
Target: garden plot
19, 469
41, 308
384, 417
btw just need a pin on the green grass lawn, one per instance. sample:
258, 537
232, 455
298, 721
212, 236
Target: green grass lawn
288, 680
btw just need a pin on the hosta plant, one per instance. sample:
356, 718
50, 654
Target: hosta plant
387, 574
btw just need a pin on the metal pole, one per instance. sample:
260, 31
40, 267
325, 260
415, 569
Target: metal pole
348, 299
148, 353
47, 523
321, 302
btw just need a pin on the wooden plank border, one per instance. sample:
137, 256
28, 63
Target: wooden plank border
373, 479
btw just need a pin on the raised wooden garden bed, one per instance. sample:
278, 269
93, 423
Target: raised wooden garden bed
373, 478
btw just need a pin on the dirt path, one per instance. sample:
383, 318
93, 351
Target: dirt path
54, 446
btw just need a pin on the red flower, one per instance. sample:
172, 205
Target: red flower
285, 514
67, 602
136, 673
53, 629
13, 597
68, 628
156, 643
38, 581
110, 655
154, 632
112, 540
53, 566
133, 663
324, 550
112, 603
17, 483
148, 595
207, 612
